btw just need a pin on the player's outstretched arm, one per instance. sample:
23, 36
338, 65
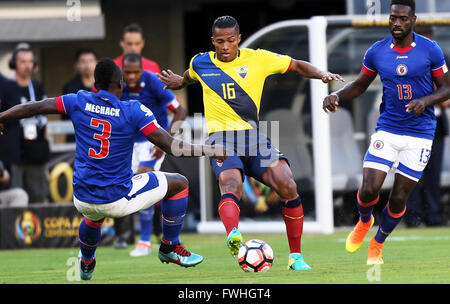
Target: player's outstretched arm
174, 81
350, 91
29, 109
306, 69
180, 148
441, 94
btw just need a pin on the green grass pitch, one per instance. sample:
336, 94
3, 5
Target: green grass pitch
411, 256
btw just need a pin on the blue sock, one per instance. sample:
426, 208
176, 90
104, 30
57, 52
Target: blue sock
173, 211
388, 222
365, 209
89, 234
146, 222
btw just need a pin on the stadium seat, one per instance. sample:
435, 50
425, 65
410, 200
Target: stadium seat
346, 157
294, 145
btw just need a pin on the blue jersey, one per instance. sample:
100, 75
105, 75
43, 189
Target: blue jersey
406, 74
150, 92
105, 131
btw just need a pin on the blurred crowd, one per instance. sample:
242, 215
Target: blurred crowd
25, 148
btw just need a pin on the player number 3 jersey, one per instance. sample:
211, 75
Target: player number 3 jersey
105, 131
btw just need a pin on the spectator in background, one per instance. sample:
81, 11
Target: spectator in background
12, 197
425, 198
10, 141
85, 61
30, 173
133, 41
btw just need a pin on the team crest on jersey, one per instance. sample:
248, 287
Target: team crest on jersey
378, 145
220, 164
402, 69
242, 71
147, 111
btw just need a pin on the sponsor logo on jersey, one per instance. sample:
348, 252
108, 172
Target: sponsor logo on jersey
147, 111
402, 69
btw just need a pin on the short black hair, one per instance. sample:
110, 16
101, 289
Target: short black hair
132, 57
410, 3
132, 28
225, 22
106, 72
82, 51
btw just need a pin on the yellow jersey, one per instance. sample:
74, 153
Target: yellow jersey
232, 90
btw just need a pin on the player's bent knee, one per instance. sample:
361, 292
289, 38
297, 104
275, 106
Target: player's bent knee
175, 183
368, 192
287, 188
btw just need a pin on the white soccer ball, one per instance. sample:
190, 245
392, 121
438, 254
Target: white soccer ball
255, 256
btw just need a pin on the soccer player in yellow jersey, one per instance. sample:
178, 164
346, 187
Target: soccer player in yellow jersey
232, 80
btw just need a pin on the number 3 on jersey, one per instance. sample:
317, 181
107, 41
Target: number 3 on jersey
404, 92
102, 137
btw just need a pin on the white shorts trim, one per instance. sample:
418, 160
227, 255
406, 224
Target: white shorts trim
124, 206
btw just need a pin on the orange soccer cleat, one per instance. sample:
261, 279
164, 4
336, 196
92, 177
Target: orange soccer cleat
356, 237
375, 253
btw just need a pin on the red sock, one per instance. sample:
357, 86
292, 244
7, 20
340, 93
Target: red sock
293, 218
229, 211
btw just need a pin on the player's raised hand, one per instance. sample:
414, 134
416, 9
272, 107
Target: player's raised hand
330, 103
171, 80
416, 106
327, 77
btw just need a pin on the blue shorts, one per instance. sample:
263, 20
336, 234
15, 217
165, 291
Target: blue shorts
250, 151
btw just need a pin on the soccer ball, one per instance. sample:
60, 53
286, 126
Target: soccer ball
255, 256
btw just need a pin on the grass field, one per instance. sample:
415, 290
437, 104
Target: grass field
410, 255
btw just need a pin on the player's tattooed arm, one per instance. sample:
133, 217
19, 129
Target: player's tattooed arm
441, 94
29, 109
174, 81
306, 69
180, 148
348, 92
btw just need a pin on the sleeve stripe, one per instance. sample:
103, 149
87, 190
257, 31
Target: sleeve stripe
60, 105
368, 71
150, 128
289, 67
173, 105
440, 71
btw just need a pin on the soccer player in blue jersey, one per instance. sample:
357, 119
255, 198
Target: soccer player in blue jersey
410, 66
104, 186
146, 87
232, 80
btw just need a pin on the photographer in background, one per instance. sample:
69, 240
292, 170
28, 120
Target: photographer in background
30, 173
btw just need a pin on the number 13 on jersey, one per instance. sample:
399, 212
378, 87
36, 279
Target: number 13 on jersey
102, 137
404, 92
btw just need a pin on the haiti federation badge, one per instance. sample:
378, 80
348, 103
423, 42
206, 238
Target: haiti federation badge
402, 69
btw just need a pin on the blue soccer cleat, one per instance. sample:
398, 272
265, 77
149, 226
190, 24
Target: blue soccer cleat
234, 241
86, 268
296, 262
177, 254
